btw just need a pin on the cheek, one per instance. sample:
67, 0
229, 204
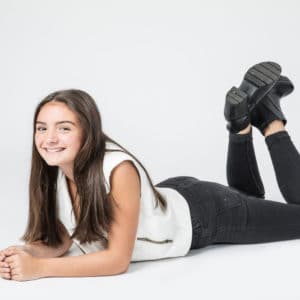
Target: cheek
37, 141
73, 142
77, 146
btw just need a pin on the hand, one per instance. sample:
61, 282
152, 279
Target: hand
20, 247
5, 271
23, 266
4, 266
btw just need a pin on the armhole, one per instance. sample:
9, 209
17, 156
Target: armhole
112, 171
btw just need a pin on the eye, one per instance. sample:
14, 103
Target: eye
40, 129
65, 129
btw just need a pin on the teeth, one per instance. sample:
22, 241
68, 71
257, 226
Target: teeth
55, 150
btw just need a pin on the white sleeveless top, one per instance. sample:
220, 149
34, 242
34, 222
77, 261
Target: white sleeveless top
159, 234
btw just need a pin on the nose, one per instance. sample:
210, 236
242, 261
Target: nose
51, 136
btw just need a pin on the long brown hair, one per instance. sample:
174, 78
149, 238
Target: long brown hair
96, 208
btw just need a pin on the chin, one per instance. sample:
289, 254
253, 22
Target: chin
52, 164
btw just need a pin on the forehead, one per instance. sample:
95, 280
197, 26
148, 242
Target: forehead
56, 111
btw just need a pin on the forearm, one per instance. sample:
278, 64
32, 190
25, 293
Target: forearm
93, 264
39, 249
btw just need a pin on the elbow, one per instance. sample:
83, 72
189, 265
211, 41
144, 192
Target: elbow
123, 267
118, 265
117, 271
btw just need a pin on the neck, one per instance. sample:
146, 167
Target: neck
68, 173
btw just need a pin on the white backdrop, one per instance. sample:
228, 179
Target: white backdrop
159, 71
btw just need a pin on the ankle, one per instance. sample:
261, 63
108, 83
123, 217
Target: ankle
273, 127
246, 130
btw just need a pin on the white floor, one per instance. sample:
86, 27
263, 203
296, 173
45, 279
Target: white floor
256, 271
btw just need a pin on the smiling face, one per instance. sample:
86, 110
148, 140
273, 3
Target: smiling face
58, 135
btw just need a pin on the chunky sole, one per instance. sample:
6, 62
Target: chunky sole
236, 110
284, 86
258, 81
236, 104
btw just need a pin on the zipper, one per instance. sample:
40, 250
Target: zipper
152, 241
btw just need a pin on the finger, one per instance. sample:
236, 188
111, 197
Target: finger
7, 249
14, 248
4, 258
10, 259
6, 253
4, 270
4, 265
15, 272
2, 255
13, 265
16, 278
11, 251
6, 276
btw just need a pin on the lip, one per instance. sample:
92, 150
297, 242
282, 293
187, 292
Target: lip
53, 150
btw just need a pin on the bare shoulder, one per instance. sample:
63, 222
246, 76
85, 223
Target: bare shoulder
125, 176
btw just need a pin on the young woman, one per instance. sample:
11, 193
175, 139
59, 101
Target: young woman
87, 189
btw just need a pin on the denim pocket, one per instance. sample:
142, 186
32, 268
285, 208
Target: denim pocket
228, 201
231, 210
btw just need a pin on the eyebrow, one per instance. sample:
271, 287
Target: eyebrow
60, 122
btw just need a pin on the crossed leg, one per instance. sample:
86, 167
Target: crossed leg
242, 169
267, 220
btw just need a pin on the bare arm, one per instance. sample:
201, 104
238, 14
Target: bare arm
93, 264
126, 190
115, 259
39, 249
36, 251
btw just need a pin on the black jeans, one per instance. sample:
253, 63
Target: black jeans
238, 213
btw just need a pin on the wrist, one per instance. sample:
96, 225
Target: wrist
28, 248
41, 268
